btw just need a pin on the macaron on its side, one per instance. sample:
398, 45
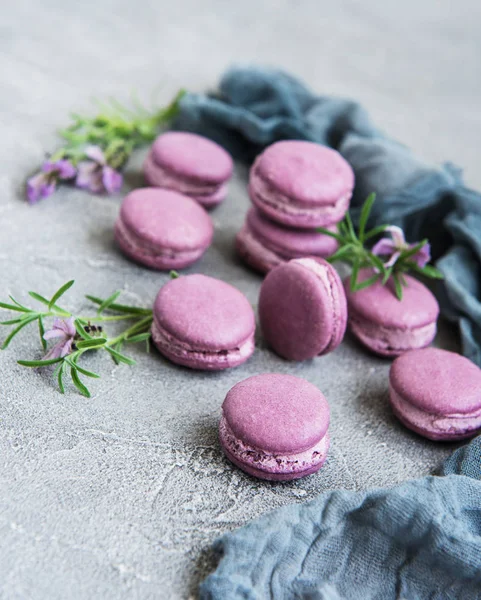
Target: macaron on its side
436, 394
162, 229
203, 323
264, 244
388, 326
191, 164
301, 184
275, 427
302, 308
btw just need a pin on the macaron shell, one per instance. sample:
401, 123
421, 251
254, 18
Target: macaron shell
432, 426
290, 243
302, 309
182, 353
286, 211
206, 313
277, 413
207, 194
192, 156
160, 259
437, 381
379, 305
253, 464
306, 172
165, 219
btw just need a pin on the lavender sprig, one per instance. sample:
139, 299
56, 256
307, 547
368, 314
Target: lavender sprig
77, 335
401, 257
97, 148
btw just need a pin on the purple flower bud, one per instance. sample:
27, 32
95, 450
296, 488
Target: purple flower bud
43, 184
96, 175
392, 248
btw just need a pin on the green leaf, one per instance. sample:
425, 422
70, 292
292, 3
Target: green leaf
12, 321
43, 300
92, 343
60, 292
387, 275
121, 358
340, 253
365, 212
78, 384
333, 234
350, 227
122, 308
19, 305
432, 272
73, 363
108, 301
59, 372
377, 262
375, 231
39, 363
398, 287
12, 334
174, 275
354, 274
12, 307
140, 337
367, 282
41, 332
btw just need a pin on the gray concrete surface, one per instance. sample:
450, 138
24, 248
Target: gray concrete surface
120, 496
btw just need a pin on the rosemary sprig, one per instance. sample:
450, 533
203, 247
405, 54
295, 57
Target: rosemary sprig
353, 250
77, 335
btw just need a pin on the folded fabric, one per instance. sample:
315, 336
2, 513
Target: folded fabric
256, 107
416, 541
419, 540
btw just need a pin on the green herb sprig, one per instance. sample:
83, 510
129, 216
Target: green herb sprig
85, 336
355, 249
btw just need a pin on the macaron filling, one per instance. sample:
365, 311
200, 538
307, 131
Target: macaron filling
271, 462
390, 341
181, 351
437, 427
137, 246
160, 176
327, 278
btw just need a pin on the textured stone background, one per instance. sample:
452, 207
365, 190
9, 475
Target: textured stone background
120, 496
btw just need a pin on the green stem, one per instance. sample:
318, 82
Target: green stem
142, 324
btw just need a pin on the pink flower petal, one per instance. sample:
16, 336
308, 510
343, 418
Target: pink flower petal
397, 235
111, 179
96, 154
39, 186
383, 247
392, 261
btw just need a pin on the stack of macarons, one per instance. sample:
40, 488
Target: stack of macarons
295, 187
190, 164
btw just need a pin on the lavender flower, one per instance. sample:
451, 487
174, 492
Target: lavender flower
64, 329
96, 175
43, 184
393, 248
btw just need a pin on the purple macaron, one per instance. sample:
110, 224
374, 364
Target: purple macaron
389, 326
203, 323
163, 229
301, 184
191, 164
263, 244
275, 427
436, 393
302, 308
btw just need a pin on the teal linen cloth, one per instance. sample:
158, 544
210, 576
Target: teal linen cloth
256, 107
420, 540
